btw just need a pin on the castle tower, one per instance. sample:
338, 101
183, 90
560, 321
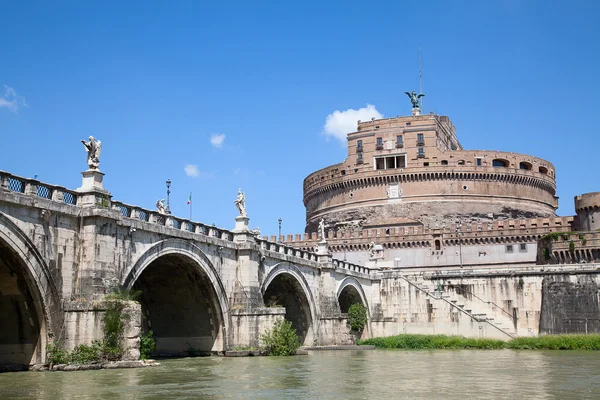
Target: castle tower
587, 207
413, 171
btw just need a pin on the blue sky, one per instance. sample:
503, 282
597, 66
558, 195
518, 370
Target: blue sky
154, 81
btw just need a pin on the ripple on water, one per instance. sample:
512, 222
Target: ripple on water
380, 374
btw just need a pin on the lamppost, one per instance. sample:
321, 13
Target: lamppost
345, 243
279, 237
458, 226
168, 210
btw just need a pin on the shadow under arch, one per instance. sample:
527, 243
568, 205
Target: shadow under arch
350, 291
30, 306
286, 286
183, 299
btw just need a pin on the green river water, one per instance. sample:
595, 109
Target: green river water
375, 374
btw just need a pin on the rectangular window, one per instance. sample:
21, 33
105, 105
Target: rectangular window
420, 151
509, 248
390, 162
401, 161
478, 162
379, 144
523, 247
420, 138
359, 158
399, 140
359, 145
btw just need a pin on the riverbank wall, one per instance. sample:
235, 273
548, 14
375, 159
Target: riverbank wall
500, 303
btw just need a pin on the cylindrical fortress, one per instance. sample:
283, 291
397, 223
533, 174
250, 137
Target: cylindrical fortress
412, 171
587, 207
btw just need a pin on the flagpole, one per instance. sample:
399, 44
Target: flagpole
190, 206
421, 77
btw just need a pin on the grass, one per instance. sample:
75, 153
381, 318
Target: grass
547, 342
432, 342
556, 342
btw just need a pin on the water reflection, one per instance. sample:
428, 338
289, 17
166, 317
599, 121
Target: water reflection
332, 375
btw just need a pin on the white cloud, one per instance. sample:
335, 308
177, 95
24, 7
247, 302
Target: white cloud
217, 140
191, 170
339, 123
11, 100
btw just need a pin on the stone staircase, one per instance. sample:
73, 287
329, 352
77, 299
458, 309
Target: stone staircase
477, 309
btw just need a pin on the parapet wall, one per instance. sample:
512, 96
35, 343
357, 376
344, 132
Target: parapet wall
502, 231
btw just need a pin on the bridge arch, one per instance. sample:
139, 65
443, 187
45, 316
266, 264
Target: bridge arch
30, 310
286, 286
350, 291
183, 299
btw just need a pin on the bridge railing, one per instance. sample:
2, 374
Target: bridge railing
33, 187
285, 249
351, 267
17, 184
170, 221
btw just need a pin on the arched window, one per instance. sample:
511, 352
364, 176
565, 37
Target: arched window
543, 170
500, 163
438, 245
444, 162
525, 165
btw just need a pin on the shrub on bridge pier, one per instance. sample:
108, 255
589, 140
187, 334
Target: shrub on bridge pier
111, 347
357, 317
282, 340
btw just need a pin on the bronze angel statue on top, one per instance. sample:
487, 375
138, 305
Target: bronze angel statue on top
414, 98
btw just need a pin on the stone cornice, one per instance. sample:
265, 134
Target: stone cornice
375, 178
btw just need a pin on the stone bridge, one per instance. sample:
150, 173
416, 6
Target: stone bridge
206, 289
203, 288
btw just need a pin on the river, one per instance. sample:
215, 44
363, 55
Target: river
375, 374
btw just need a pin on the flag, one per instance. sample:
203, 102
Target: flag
190, 199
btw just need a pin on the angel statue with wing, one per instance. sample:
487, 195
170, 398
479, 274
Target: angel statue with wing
93, 148
414, 98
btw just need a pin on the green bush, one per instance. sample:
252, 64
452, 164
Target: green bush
281, 340
357, 317
54, 355
84, 354
147, 345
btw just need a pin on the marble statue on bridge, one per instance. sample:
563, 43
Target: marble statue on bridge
160, 206
322, 227
93, 148
240, 203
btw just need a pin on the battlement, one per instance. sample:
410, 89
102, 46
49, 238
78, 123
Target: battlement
421, 236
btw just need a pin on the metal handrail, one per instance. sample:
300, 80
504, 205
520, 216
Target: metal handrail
455, 306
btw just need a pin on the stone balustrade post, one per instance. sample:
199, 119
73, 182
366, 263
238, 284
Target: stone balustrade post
4, 182
30, 187
58, 195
